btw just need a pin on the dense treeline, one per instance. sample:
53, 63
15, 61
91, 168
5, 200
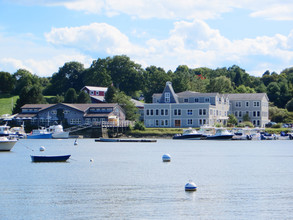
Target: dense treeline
132, 80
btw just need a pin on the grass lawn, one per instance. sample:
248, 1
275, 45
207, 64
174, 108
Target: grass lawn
7, 102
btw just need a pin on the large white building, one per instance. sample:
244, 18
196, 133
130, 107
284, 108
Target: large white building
193, 109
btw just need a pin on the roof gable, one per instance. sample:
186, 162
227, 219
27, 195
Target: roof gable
169, 89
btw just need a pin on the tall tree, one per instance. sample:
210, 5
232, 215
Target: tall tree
220, 84
110, 94
155, 79
24, 79
125, 102
83, 97
98, 74
126, 75
7, 82
68, 76
70, 96
273, 92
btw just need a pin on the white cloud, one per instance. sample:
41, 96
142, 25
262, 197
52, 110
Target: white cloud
96, 37
17, 52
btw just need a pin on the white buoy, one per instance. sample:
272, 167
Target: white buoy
190, 186
75, 142
91, 160
166, 158
42, 148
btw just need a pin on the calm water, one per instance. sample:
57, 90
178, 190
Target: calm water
235, 179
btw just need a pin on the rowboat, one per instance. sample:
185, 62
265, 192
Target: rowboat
61, 158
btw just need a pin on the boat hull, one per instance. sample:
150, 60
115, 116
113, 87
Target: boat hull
7, 145
62, 158
220, 137
61, 135
40, 136
189, 137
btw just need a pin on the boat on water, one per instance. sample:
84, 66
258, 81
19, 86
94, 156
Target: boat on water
41, 133
190, 134
267, 136
123, 140
59, 158
285, 136
15, 132
58, 132
241, 134
6, 143
213, 133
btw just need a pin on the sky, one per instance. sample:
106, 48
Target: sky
42, 35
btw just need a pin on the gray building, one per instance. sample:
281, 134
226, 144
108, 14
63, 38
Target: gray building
73, 114
193, 109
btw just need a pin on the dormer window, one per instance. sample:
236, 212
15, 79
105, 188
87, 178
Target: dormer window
185, 100
196, 100
207, 100
167, 97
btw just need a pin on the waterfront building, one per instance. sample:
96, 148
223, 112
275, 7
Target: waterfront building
194, 109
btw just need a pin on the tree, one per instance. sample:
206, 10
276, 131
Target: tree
125, 102
181, 79
232, 120
7, 82
246, 117
70, 96
110, 94
83, 97
98, 74
220, 84
24, 79
127, 76
273, 92
289, 105
155, 79
68, 76
244, 89
278, 115
29, 95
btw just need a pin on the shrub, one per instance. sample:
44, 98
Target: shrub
139, 126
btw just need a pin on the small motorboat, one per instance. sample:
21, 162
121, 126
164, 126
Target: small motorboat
6, 143
41, 133
190, 134
267, 136
241, 134
220, 134
61, 158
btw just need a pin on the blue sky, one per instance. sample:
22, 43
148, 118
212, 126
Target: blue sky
41, 35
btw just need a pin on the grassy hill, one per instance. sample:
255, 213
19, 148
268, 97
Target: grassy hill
6, 103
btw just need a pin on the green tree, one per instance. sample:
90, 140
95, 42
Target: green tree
273, 92
7, 82
24, 79
278, 115
220, 84
29, 95
181, 79
127, 76
232, 120
244, 89
110, 94
68, 76
70, 96
83, 97
125, 102
98, 74
246, 117
155, 79
289, 105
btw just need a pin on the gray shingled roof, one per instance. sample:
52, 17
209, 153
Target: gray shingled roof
246, 96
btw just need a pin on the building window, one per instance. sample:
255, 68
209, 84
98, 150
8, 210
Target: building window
196, 100
177, 111
202, 121
207, 100
254, 113
167, 97
258, 123
247, 104
166, 111
185, 100
147, 112
152, 112
236, 114
240, 114
162, 111
162, 122
189, 112
200, 111
238, 104
54, 112
258, 113
256, 104
75, 121
204, 111
66, 111
157, 122
157, 111
189, 121
166, 122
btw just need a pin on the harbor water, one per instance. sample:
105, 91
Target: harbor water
235, 180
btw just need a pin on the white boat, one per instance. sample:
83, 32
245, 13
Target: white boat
58, 132
6, 144
285, 136
214, 133
41, 133
4, 130
190, 134
241, 134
